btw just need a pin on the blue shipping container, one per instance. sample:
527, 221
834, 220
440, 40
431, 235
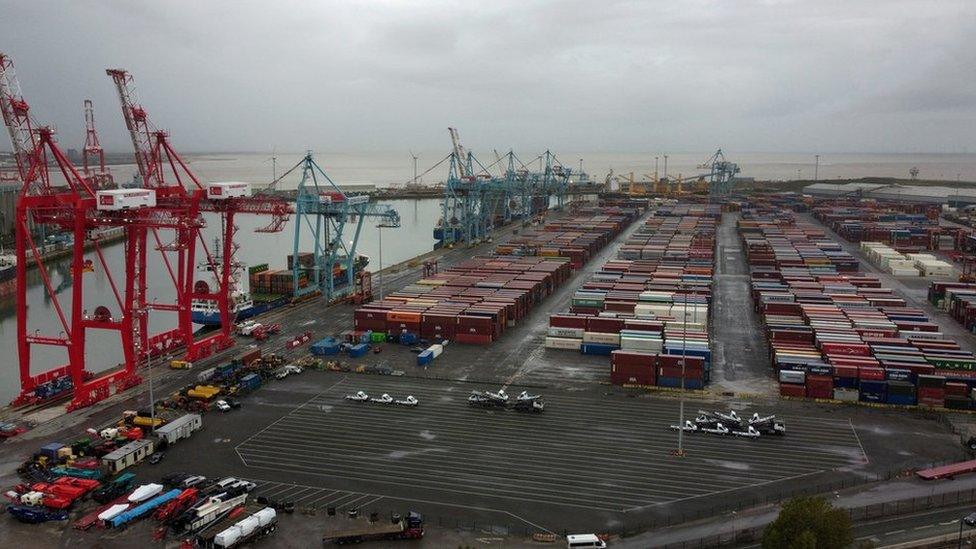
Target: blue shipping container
663, 381
597, 349
251, 382
357, 351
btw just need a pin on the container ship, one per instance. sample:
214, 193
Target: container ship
8, 278
263, 289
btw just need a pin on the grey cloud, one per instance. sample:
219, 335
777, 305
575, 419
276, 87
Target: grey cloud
572, 75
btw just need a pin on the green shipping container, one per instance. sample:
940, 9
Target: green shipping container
952, 363
378, 337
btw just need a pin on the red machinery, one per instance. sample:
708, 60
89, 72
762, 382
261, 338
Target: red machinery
163, 170
54, 193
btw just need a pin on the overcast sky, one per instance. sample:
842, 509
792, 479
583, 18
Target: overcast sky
678, 75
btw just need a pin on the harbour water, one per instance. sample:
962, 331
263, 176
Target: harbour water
392, 169
418, 217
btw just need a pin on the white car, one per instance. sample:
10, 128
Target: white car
246, 485
409, 401
383, 399
360, 396
293, 369
222, 406
193, 481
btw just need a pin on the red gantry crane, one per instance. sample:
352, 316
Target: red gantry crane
102, 178
164, 171
54, 193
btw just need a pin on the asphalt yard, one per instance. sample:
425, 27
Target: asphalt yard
587, 451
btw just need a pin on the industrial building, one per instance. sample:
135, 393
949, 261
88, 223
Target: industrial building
899, 193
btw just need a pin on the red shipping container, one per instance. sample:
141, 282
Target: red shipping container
871, 374
473, 339
956, 388
845, 349
621, 378
604, 325
792, 390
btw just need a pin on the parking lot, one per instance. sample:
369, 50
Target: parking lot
587, 451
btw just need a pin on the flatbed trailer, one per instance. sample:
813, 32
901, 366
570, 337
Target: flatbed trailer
947, 471
359, 529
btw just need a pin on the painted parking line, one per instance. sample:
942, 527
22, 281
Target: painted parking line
326, 494
484, 454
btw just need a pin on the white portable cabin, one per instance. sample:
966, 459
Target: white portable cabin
125, 199
179, 428
127, 455
230, 189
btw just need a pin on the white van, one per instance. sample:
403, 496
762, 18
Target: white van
575, 541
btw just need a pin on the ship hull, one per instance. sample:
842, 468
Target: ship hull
207, 318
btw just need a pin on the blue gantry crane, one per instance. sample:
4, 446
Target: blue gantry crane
721, 174
475, 201
325, 213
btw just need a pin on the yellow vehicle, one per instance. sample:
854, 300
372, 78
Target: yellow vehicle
180, 364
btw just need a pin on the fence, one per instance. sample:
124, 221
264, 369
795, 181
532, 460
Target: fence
489, 526
857, 514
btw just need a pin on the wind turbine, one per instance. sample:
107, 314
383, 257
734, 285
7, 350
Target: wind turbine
415, 157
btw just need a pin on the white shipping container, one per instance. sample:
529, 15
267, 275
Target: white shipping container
641, 344
563, 343
225, 190
792, 376
125, 199
600, 337
556, 331
846, 394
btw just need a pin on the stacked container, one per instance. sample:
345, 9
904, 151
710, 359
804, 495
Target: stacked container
649, 308
836, 333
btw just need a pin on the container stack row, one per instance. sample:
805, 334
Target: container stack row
777, 240
840, 335
649, 309
475, 300
576, 238
911, 264
956, 298
906, 227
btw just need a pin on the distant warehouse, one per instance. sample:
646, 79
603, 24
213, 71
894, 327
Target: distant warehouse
899, 193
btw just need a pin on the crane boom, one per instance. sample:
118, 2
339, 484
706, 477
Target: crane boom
16, 117
459, 152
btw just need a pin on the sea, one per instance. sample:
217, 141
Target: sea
414, 237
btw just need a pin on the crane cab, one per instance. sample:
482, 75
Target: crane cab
125, 199
226, 190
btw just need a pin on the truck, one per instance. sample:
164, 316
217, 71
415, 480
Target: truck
255, 525
356, 529
180, 364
